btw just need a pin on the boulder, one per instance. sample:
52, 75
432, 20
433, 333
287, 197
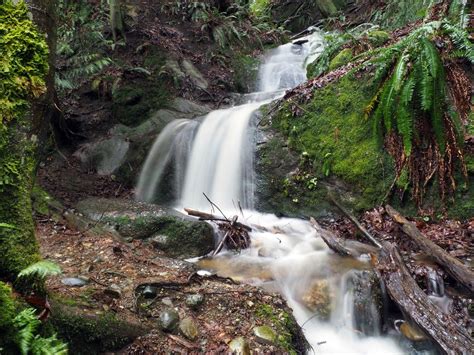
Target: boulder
173, 233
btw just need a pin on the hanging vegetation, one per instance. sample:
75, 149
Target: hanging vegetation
411, 111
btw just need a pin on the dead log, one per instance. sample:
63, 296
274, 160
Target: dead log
204, 216
405, 292
330, 239
452, 265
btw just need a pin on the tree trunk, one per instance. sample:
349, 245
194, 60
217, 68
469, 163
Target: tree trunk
18, 156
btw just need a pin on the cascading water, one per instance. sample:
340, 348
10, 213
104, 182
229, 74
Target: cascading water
326, 292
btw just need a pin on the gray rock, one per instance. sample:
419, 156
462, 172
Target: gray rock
264, 334
189, 328
149, 291
74, 281
194, 301
195, 75
239, 346
173, 233
169, 319
104, 156
167, 301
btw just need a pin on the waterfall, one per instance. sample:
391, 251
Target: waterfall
331, 297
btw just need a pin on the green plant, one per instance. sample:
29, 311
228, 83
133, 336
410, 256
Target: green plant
26, 325
81, 46
41, 269
410, 110
23, 60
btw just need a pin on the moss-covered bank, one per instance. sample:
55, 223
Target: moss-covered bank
331, 145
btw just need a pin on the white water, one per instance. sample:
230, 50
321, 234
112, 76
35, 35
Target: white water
219, 163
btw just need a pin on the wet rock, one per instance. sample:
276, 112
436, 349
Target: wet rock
239, 346
264, 334
149, 291
173, 233
189, 328
74, 281
113, 291
194, 301
412, 333
169, 319
318, 298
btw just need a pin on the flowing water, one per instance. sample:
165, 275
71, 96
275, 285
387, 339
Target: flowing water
334, 299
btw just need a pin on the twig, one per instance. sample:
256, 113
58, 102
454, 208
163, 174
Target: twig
213, 204
355, 221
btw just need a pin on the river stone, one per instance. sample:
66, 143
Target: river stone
169, 320
265, 334
113, 291
189, 328
174, 234
412, 333
239, 346
318, 298
194, 301
74, 281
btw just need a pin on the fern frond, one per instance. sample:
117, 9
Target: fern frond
41, 269
26, 324
460, 39
48, 346
405, 114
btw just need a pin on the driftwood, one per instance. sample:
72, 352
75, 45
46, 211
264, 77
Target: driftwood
236, 234
330, 239
354, 220
453, 266
203, 216
402, 288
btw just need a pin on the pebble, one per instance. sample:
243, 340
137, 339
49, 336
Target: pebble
194, 301
167, 302
189, 328
239, 346
412, 333
169, 320
150, 291
74, 281
264, 334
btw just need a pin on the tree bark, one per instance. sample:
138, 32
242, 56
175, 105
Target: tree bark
405, 292
453, 266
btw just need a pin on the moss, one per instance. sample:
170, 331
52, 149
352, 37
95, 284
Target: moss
245, 69
378, 38
342, 58
7, 306
92, 333
339, 146
288, 331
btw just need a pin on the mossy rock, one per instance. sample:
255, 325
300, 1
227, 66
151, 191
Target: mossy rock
173, 233
342, 58
332, 146
378, 38
88, 332
289, 335
245, 69
7, 306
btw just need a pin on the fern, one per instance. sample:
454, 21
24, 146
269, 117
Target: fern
41, 269
405, 114
26, 325
48, 346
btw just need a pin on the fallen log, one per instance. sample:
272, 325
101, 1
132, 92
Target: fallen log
330, 239
452, 265
405, 292
204, 216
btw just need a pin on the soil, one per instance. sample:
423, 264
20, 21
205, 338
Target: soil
229, 309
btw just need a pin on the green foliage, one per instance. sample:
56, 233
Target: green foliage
416, 86
7, 306
23, 60
41, 269
82, 47
396, 14
341, 47
26, 325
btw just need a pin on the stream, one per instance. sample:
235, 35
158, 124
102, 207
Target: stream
337, 301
